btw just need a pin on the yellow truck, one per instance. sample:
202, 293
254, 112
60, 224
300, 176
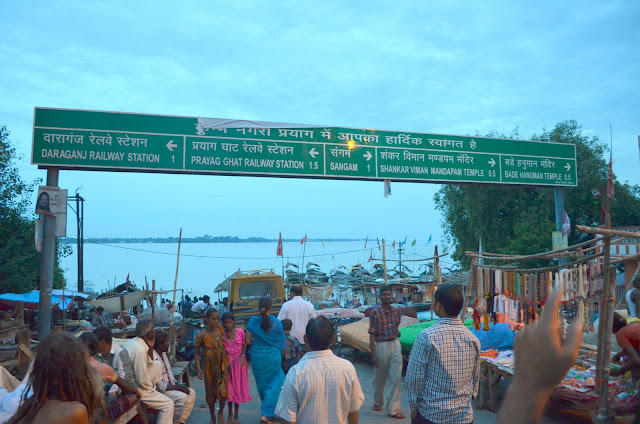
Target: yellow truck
246, 289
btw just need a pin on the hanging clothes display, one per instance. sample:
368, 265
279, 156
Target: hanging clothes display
517, 297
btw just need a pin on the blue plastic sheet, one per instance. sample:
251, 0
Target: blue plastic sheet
499, 337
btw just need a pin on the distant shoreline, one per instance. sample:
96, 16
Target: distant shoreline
203, 239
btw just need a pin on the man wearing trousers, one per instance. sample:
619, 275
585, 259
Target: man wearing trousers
386, 355
140, 349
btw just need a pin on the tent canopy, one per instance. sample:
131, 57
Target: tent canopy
31, 301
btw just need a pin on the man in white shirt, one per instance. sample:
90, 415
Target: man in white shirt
113, 355
322, 388
140, 349
201, 306
184, 397
299, 311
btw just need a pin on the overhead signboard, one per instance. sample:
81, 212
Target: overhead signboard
115, 141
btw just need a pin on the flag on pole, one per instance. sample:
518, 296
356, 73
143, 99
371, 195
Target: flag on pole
279, 251
304, 239
370, 256
393, 244
323, 243
428, 241
413, 243
365, 242
405, 240
379, 248
127, 280
610, 187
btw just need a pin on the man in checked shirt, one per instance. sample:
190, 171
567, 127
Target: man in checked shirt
386, 354
444, 365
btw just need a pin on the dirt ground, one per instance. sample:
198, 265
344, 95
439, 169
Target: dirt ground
250, 412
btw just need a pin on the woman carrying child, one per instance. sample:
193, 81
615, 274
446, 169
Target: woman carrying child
235, 345
215, 363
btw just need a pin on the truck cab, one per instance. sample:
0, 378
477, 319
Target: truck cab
246, 289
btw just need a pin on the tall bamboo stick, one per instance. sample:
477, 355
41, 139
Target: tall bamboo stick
604, 330
384, 261
172, 331
470, 288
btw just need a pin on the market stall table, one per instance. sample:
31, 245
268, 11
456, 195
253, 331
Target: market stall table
576, 392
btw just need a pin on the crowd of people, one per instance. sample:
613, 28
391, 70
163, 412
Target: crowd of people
299, 379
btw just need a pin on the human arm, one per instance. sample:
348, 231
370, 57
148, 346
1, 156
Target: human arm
357, 396
635, 297
353, 417
374, 353
373, 332
416, 371
542, 359
288, 405
197, 357
243, 356
127, 386
634, 360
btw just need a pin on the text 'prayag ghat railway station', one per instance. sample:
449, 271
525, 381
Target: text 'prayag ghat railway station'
151, 143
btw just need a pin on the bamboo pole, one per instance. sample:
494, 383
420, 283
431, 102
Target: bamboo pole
153, 300
607, 232
551, 268
384, 261
470, 287
550, 254
604, 330
172, 330
415, 260
438, 275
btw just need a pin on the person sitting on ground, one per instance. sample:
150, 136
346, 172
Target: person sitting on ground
322, 388
628, 338
115, 406
184, 397
542, 359
293, 350
63, 386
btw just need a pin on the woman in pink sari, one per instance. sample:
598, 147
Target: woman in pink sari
236, 346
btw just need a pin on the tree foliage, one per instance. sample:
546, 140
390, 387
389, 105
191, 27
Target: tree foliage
519, 219
19, 260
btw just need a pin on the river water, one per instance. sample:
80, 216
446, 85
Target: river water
204, 265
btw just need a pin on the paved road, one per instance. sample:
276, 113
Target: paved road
250, 412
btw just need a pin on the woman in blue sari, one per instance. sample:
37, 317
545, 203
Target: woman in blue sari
266, 357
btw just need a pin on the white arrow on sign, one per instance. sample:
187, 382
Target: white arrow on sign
313, 152
567, 167
492, 162
171, 145
368, 156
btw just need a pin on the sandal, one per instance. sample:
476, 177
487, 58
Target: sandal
377, 408
398, 415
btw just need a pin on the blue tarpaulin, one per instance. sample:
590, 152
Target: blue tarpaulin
31, 300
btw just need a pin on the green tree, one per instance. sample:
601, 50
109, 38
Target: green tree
518, 219
19, 260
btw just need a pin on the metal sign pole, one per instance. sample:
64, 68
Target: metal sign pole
46, 264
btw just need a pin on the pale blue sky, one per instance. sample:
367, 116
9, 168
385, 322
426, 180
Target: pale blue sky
454, 67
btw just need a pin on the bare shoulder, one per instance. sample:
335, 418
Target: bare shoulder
59, 412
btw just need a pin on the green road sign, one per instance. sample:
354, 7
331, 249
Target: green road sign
78, 139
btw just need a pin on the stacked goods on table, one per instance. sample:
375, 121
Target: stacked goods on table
578, 386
